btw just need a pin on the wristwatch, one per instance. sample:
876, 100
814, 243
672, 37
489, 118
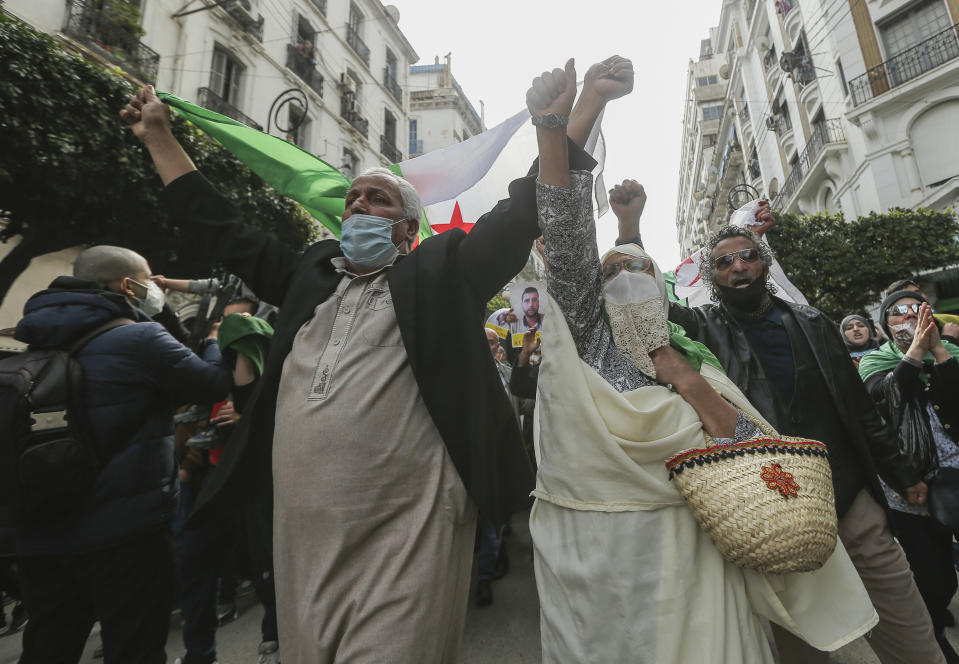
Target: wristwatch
550, 120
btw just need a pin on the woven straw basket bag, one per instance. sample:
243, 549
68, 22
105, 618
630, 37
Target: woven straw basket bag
767, 502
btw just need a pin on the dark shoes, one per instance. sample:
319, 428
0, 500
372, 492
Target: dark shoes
226, 613
484, 593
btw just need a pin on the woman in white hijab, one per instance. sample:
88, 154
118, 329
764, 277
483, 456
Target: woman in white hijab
624, 572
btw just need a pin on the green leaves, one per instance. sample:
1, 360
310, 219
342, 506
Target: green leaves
843, 267
71, 172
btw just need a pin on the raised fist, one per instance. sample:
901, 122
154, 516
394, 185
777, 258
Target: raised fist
610, 79
553, 91
146, 114
628, 200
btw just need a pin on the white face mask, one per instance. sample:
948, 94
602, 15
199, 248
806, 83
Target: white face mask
637, 317
152, 304
904, 333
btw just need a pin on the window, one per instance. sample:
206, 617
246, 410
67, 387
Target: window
413, 129
709, 140
713, 112
389, 127
914, 26
416, 145
356, 18
351, 164
226, 74
299, 123
390, 64
706, 80
842, 78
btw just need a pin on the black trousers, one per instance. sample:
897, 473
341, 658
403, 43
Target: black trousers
928, 548
128, 588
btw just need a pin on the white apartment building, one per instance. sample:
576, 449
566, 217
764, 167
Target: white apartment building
830, 105
348, 59
705, 98
239, 57
440, 113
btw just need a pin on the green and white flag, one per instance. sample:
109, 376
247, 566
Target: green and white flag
457, 184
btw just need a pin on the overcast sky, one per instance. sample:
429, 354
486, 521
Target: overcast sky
499, 46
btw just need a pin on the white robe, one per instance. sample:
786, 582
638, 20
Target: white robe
624, 572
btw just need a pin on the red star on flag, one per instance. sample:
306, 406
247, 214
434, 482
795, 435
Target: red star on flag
456, 221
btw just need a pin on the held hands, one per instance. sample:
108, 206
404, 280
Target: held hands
927, 334
610, 79
147, 116
226, 416
627, 201
553, 91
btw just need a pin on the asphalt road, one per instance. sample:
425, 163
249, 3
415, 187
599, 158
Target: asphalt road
505, 633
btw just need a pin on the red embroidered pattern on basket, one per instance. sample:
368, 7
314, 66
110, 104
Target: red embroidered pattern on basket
777, 478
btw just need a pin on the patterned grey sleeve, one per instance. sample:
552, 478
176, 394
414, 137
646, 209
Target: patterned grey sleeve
745, 429
575, 280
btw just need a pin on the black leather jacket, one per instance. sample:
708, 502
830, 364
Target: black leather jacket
874, 444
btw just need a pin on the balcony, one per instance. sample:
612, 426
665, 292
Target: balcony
389, 80
350, 113
118, 42
823, 135
305, 68
357, 44
416, 146
912, 63
214, 102
389, 150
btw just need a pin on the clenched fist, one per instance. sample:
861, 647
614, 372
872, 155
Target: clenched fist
553, 91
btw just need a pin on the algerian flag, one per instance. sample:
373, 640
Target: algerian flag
457, 184
288, 168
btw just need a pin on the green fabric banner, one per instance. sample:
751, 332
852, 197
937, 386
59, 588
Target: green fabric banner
291, 170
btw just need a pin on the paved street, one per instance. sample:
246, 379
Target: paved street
505, 633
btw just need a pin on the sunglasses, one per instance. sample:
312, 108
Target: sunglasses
903, 309
726, 261
635, 265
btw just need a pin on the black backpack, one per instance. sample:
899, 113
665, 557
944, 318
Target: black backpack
48, 458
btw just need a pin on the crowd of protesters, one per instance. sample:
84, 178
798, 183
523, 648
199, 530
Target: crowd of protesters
334, 430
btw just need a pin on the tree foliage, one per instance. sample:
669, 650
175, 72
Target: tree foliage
71, 173
498, 302
843, 267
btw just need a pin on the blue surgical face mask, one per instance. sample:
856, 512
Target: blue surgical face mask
367, 241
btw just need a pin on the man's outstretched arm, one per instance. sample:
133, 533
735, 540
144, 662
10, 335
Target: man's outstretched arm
264, 263
149, 119
607, 80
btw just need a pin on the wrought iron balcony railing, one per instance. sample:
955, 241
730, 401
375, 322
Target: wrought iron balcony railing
416, 146
822, 134
351, 114
804, 75
911, 63
389, 80
389, 150
357, 44
304, 67
211, 100
118, 42
780, 123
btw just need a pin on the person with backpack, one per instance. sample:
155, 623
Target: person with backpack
110, 558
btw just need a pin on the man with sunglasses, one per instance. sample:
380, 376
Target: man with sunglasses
791, 363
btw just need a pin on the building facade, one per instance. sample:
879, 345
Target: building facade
440, 113
341, 64
829, 106
330, 75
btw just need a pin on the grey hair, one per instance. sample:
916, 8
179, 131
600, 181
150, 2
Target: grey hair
106, 263
412, 207
707, 267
